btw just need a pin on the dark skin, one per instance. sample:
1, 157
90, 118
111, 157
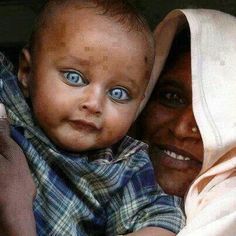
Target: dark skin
17, 186
167, 124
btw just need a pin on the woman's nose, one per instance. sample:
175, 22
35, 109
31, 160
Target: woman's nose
185, 125
92, 101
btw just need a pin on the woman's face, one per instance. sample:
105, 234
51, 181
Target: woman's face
170, 128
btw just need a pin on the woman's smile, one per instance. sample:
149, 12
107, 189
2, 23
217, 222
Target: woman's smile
175, 158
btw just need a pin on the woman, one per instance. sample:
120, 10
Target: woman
168, 122
210, 203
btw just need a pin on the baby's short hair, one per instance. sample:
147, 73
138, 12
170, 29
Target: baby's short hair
121, 10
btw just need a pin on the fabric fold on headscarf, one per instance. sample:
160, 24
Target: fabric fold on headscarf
210, 203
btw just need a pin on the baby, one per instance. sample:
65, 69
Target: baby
83, 78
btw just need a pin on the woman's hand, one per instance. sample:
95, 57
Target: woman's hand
152, 231
17, 188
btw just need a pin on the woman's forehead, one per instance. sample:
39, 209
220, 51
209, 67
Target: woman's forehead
178, 69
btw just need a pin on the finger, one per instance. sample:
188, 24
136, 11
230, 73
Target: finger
3, 114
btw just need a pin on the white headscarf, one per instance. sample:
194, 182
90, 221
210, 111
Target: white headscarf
211, 201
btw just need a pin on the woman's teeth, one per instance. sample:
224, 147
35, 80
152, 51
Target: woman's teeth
176, 156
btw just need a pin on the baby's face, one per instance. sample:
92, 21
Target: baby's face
87, 79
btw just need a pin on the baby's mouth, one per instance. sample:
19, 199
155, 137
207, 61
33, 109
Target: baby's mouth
85, 125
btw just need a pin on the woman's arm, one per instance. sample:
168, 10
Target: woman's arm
152, 231
16, 186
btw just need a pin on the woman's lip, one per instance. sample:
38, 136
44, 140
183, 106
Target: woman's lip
178, 151
166, 160
83, 124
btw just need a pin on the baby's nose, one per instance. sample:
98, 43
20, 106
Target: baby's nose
93, 102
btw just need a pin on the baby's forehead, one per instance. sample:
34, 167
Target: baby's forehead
74, 22
75, 17
56, 16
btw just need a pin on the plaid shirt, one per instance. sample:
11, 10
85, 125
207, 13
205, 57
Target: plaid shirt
107, 192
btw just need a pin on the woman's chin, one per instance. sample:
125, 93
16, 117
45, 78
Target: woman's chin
174, 181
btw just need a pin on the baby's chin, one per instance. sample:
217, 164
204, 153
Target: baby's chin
75, 147
79, 147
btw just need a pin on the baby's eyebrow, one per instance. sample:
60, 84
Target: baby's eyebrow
132, 84
73, 60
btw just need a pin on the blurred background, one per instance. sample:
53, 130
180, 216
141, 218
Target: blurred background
17, 17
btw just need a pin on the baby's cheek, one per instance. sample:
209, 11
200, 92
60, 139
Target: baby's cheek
108, 137
115, 134
45, 112
121, 129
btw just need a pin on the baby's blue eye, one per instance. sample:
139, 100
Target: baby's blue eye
119, 94
74, 78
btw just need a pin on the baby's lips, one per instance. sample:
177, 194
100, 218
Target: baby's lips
3, 114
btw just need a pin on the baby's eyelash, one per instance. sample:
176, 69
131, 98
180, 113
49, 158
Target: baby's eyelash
119, 94
74, 78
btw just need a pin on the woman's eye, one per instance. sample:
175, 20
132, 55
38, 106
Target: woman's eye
171, 98
74, 78
119, 94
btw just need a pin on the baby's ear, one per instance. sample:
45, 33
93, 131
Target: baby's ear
24, 71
